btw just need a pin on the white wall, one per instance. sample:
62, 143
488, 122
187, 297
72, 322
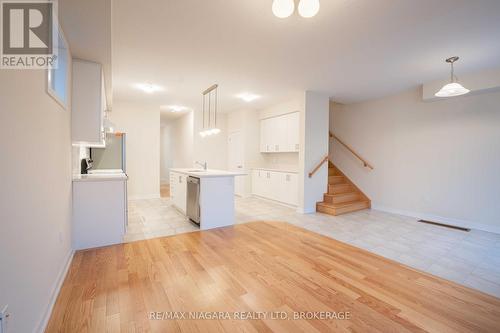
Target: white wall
35, 197
436, 160
314, 140
142, 125
166, 146
182, 141
210, 149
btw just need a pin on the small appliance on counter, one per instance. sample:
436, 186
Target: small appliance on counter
85, 165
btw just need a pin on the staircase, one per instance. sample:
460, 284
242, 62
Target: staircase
343, 196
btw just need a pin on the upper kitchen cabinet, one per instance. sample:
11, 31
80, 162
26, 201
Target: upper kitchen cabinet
88, 104
280, 134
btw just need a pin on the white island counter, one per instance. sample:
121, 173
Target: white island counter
213, 200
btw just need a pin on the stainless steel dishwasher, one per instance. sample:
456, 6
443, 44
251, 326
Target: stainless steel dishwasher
193, 199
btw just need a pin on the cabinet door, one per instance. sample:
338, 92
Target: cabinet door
280, 134
266, 135
87, 112
293, 132
255, 182
182, 193
290, 189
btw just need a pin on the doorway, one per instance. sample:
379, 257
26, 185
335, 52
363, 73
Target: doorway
236, 160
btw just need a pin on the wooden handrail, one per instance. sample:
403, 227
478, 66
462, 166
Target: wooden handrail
325, 159
365, 163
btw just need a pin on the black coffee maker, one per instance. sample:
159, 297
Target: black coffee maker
86, 165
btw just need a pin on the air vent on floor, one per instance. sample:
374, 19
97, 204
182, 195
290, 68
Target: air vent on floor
445, 225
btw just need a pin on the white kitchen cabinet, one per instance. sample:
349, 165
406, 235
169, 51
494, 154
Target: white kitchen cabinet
88, 104
178, 190
276, 185
99, 211
293, 132
280, 134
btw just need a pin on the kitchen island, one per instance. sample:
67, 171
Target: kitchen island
205, 196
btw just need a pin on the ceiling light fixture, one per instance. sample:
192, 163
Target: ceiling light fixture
176, 108
248, 97
283, 8
453, 88
148, 88
308, 8
211, 128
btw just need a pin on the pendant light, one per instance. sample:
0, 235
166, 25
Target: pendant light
211, 126
453, 88
308, 8
283, 8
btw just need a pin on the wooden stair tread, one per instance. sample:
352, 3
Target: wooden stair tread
342, 195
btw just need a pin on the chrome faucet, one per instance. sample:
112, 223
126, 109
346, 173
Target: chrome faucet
204, 165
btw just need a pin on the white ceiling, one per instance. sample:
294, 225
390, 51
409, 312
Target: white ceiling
353, 50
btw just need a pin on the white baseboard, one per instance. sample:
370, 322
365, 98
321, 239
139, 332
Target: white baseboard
144, 197
273, 201
440, 219
55, 292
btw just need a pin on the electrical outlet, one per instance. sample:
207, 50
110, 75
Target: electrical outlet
4, 319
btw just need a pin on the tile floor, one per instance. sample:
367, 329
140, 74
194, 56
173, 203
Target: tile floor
469, 258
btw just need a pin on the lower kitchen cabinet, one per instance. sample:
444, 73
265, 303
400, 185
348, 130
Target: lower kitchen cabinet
276, 185
178, 190
99, 212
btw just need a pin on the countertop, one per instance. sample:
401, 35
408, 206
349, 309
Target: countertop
276, 170
99, 177
200, 173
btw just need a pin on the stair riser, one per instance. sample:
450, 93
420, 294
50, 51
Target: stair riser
341, 198
352, 208
336, 180
333, 172
342, 210
337, 189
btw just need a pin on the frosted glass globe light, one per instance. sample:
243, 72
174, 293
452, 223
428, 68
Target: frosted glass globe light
452, 89
283, 8
308, 8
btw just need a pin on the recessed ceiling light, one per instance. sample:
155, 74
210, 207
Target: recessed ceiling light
173, 108
248, 97
148, 87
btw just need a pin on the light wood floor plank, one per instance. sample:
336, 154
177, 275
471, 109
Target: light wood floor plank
260, 267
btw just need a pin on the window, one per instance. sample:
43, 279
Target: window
57, 79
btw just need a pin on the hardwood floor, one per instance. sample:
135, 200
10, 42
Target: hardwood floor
261, 266
164, 191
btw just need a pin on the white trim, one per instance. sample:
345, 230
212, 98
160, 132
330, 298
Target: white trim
55, 292
144, 197
273, 201
440, 219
